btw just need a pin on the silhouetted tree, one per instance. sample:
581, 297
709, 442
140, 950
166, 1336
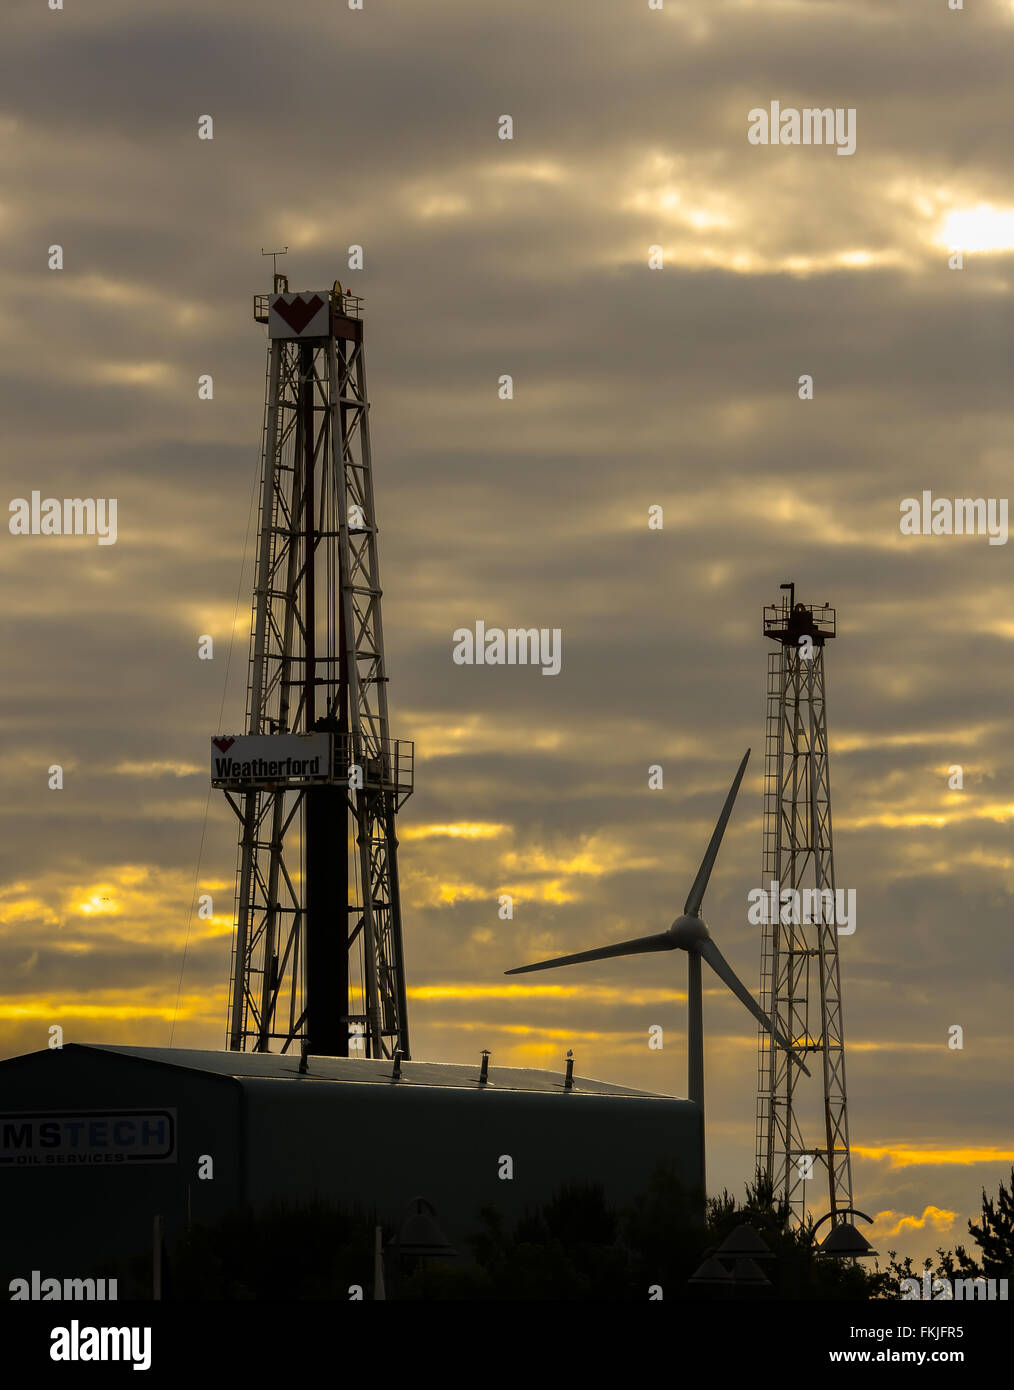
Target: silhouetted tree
993, 1234
304, 1250
664, 1234
575, 1246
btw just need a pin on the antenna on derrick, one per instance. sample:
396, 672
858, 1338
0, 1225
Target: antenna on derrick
281, 282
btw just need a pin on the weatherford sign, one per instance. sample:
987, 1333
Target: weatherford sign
258, 759
73, 1138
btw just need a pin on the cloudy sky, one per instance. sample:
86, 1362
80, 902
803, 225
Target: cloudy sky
633, 387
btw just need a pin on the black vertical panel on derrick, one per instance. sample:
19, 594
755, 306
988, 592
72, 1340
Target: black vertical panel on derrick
327, 868
327, 894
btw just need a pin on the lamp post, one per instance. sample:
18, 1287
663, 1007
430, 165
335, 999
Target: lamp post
419, 1238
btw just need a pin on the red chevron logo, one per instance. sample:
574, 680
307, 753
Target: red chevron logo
299, 312
223, 744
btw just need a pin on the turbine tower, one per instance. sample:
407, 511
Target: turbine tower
800, 975
316, 780
690, 933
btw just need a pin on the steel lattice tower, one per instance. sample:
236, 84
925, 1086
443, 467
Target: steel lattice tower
800, 976
318, 943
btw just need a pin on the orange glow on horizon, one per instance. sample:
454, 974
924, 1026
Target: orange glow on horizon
905, 1156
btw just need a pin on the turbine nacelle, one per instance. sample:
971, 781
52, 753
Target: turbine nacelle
688, 931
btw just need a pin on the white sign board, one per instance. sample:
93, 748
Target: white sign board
306, 315
261, 758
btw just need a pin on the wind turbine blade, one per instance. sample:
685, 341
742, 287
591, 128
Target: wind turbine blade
725, 972
693, 903
662, 942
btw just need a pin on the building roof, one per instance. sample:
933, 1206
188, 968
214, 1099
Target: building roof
278, 1067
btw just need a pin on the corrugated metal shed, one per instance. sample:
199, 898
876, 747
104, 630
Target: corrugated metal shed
97, 1140
275, 1066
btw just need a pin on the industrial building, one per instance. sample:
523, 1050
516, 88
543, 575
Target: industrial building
96, 1141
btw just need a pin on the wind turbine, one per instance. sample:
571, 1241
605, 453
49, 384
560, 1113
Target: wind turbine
689, 933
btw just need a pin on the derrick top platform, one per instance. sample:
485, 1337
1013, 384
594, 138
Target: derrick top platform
786, 625
310, 314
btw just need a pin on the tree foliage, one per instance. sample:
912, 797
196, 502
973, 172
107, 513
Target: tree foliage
575, 1246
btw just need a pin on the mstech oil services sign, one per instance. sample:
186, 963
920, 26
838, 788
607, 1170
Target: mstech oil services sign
73, 1138
261, 759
